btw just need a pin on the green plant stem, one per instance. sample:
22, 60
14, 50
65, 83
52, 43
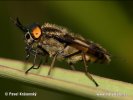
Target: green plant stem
68, 81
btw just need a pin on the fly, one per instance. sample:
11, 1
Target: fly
58, 43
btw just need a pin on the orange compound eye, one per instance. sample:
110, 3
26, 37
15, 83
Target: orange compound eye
36, 32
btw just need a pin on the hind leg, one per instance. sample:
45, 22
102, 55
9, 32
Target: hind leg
52, 64
71, 65
86, 70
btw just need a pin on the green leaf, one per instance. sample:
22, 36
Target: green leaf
68, 81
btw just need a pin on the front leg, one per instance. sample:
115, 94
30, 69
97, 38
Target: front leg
27, 49
32, 67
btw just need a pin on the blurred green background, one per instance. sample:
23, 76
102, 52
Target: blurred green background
107, 23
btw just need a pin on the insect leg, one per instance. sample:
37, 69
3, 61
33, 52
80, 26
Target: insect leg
46, 59
41, 61
27, 56
86, 72
52, 64
32, 65
70, 55
38, 65
72, 66
45, 54
27, 49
